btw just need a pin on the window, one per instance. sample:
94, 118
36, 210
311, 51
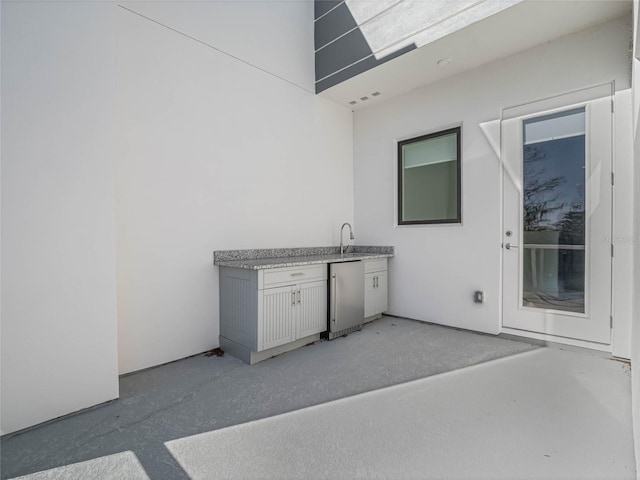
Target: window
429, 179
553, 206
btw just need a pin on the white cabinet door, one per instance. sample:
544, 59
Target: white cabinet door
292, 312
382, 294
311, 308
375, 293
277, 326
370, 298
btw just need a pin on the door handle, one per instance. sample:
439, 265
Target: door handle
335, 299
298, 297
293, 298
509, 246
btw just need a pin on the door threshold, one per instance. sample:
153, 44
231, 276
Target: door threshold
544, 339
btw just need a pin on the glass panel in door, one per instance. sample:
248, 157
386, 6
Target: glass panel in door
554, 242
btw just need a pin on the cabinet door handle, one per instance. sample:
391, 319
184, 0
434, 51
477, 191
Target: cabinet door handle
293, 298
299, 297
335, 299
375, 282
299, 274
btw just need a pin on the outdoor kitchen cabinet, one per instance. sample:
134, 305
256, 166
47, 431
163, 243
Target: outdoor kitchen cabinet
269, 311
375, 288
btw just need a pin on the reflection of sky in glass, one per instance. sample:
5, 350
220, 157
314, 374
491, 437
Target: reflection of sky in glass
554, 189
556, 126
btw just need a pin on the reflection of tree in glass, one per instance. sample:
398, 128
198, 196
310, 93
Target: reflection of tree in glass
571, 225
540, 192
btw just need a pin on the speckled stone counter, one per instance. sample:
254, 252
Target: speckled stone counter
291, 257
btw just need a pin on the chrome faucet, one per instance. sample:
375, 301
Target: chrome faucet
342, 249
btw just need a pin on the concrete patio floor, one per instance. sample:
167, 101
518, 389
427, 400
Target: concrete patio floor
165, 414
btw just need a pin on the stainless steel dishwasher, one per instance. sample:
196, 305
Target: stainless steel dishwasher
346, 298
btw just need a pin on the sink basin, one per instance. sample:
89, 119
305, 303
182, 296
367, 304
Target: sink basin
346, 257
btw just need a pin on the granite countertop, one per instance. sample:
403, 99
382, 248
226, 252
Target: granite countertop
293, 257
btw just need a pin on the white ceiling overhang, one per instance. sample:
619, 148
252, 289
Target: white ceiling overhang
468, 35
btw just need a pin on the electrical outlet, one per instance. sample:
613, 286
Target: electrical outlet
478, 296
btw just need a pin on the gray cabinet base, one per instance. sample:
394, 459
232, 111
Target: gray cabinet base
249, 356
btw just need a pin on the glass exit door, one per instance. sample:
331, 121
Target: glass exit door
557, 217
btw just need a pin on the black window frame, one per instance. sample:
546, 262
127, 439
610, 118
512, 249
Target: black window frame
440, 133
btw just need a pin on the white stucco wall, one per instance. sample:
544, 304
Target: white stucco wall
59, 351
437, 268
130, 153
216, 154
